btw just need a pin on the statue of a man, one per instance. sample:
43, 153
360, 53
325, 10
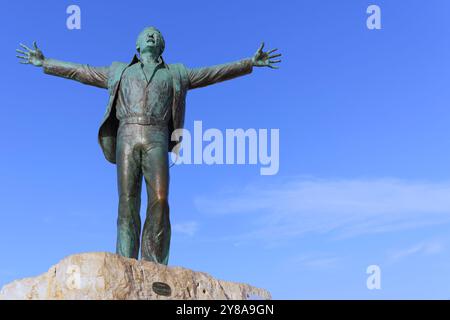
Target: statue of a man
146, 104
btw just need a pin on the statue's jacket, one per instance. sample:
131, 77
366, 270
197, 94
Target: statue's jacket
110, 77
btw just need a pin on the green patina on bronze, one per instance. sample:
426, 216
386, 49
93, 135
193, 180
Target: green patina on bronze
146, 104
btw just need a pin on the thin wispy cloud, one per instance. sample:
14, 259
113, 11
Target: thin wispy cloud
312, 262
343, 208
423, 248
189, 228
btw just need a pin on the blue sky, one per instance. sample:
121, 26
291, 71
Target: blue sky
364, 143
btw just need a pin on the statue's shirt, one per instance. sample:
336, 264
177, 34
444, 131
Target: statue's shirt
146, 92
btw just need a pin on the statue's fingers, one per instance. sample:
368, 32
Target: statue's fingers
273, 50
25, 47
261, 47
274, 61
20, 51
22, 57
24, 62
35, 45
275, 56
273, 67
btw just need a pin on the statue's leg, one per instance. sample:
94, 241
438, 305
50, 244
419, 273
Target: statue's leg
129, 180
156, 233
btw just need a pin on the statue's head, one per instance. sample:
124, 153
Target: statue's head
150, 39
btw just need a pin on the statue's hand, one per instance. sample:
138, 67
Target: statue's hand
30, 56
264, 59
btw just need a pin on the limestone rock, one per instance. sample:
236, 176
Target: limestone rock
106, 276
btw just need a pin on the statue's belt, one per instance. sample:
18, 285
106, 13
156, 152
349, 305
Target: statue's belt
143, 120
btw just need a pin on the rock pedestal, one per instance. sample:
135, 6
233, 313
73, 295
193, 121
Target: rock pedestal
106, 276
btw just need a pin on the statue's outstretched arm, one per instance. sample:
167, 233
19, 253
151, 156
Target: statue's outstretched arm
94, 76
201, 77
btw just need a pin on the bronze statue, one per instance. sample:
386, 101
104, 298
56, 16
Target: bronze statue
146, 104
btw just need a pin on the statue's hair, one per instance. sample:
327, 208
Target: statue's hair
163, 43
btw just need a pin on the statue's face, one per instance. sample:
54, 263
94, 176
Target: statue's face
150, 39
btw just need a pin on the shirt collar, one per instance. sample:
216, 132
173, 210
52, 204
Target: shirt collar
160, 61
